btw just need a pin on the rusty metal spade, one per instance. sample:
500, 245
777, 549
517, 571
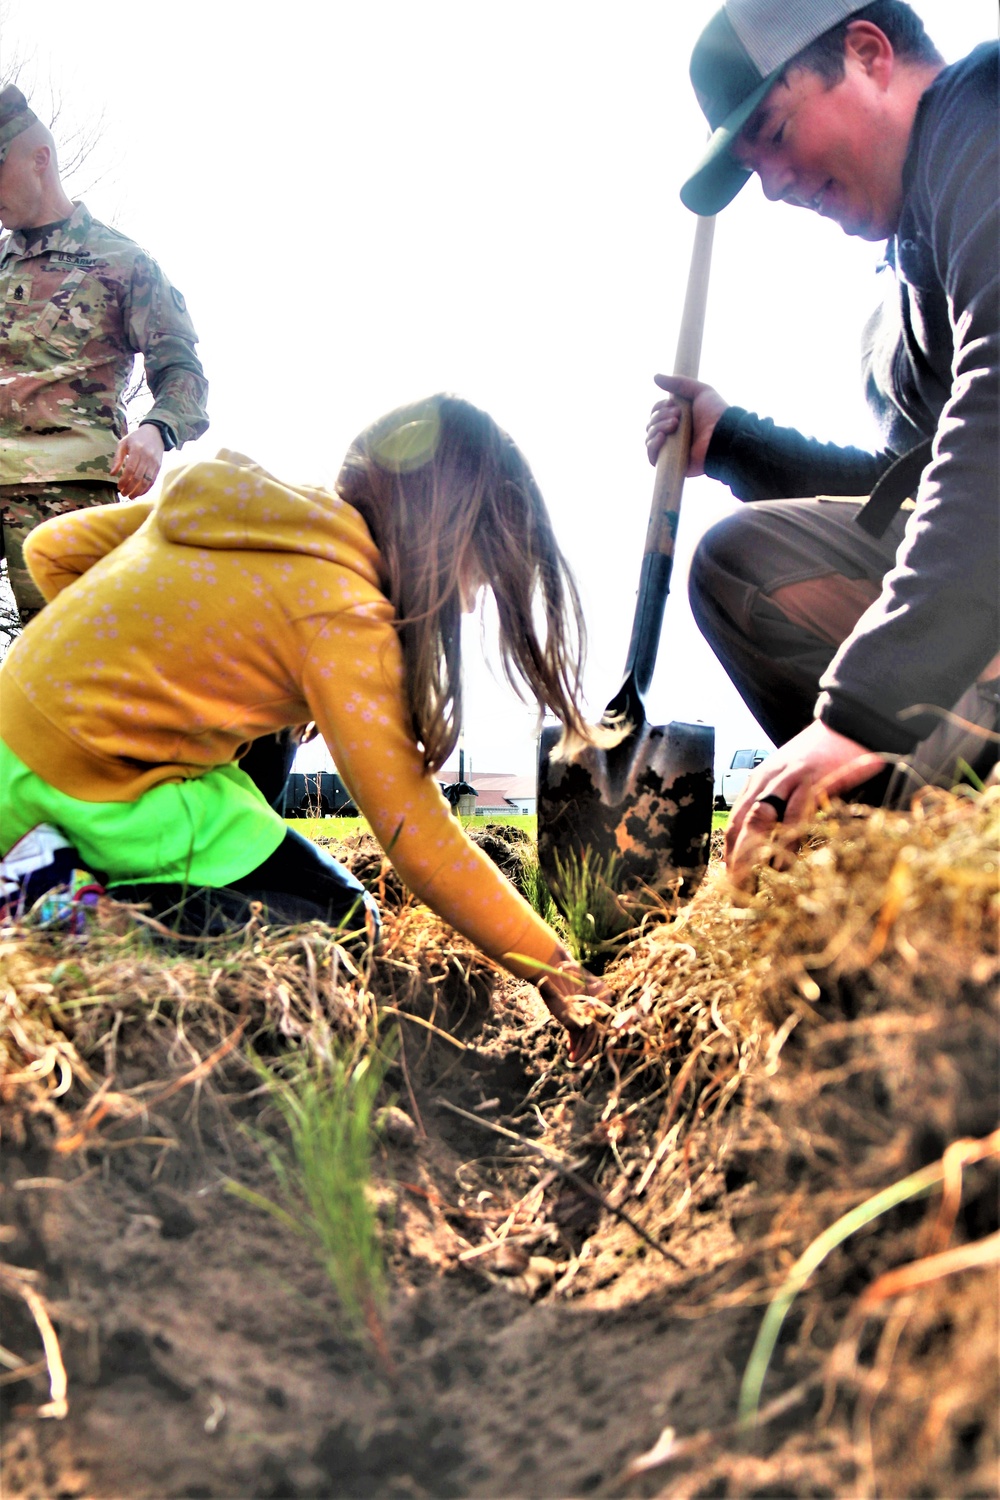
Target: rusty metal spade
646, 803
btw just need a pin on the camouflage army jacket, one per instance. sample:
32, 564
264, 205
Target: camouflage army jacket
75, 309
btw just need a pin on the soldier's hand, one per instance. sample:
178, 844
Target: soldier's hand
707, 407
137, 459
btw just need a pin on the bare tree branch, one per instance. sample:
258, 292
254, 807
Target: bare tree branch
82, 137
10, 623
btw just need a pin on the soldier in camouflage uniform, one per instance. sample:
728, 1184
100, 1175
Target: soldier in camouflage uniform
78, 301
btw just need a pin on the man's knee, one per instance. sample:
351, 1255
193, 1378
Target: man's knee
715, 575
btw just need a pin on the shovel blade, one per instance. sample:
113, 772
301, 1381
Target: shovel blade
647, 802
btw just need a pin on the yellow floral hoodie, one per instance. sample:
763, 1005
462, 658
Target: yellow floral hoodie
235, 606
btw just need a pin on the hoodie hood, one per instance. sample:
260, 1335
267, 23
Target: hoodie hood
229, 503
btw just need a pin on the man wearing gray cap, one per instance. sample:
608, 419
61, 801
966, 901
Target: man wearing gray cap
851, 629
78, 302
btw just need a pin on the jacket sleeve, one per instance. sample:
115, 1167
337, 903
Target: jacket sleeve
354, 686
160, 329
935, 626
760, 461
63, 548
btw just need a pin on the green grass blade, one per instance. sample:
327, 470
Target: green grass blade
913, 1186
265, 1204
323, 1173
585, 891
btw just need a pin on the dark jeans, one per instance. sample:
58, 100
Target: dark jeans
268, 763
297, 883
776, 587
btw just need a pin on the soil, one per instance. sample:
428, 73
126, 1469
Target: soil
207, 1356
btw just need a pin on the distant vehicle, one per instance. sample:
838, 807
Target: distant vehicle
733, 779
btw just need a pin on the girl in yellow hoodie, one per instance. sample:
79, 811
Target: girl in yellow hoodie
179, 632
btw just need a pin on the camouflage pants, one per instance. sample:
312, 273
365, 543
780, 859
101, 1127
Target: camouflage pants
25, 506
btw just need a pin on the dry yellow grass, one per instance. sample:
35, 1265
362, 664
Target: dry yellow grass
845, 1006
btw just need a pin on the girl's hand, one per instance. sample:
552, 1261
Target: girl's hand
575, 998
707, 407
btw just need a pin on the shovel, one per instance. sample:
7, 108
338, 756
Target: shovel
642, 810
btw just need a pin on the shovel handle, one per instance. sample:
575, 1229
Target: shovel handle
671, 468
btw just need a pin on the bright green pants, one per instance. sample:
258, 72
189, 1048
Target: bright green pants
205, 832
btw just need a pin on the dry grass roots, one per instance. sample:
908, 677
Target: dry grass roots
848, 1007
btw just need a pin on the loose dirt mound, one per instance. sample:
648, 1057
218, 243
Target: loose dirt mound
579, 1260
506, 845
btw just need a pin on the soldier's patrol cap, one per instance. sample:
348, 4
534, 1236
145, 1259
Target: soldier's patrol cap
15, 116
737, 60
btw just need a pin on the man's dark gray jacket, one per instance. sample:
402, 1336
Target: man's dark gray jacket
931, 362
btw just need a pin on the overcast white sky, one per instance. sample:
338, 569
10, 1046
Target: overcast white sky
367, 202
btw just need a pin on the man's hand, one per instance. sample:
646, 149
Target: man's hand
568, 994
817, 761
138, 457
707, 407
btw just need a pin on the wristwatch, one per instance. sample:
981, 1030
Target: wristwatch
166, 433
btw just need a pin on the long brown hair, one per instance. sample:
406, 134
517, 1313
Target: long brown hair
451, 503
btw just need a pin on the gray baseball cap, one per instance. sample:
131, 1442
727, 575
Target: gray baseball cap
736, 61
15, 116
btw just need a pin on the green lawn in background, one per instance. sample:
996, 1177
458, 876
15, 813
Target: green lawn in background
328, 828
340, 828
